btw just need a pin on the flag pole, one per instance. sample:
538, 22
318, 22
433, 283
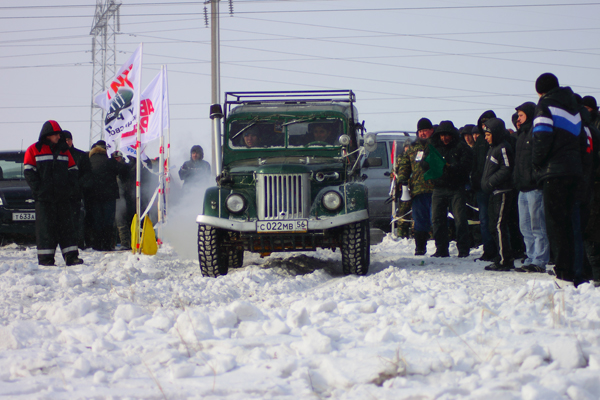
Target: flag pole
168, 161
138, 164
161, 159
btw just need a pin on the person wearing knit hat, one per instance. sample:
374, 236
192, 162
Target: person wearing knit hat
589, 102
449, 187
556, 156
50, 172
409, 172
545, 83
424, 123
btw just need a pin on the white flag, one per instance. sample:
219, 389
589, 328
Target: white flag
120, 100
153, 113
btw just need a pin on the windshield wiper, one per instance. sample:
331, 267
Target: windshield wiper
244, 129
297, 121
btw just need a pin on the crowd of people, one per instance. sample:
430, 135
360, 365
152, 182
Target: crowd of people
536, 188
87, 199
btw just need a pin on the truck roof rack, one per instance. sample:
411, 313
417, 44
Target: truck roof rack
289, 97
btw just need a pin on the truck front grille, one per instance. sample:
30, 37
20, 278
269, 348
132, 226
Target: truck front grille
282, 196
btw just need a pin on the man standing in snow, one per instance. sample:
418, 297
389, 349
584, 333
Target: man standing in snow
480, 149
104, 194
84, 179
409, 172
497, 183
449, 189
51, 173
532, 221
557, 153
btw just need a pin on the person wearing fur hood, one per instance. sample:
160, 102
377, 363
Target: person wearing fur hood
103, 195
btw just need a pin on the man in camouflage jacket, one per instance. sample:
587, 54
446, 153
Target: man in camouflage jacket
409, 172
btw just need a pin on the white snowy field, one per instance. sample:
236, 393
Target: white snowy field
290, 326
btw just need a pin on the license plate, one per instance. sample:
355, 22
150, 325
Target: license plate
30, 216
300, 225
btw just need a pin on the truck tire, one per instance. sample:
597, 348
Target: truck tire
236, 258
356, 252
212, 262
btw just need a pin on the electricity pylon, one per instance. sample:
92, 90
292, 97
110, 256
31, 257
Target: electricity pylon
104, 58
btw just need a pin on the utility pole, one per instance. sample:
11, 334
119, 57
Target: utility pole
104, 45
216, 113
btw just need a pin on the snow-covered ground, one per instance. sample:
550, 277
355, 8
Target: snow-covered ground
290, 326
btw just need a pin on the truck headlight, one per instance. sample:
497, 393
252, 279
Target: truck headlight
235, 203
332, 200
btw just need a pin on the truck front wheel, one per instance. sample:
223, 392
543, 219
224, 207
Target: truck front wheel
213, 262
356, 251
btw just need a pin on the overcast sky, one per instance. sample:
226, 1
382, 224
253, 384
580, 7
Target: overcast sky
445, 60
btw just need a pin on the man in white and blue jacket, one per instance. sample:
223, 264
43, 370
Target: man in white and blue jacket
558, 146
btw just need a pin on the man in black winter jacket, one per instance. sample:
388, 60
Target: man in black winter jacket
103, 195
480, 150
51, 172
589, 102
449, 190
532, 219
83, 182
497, 182
557, 152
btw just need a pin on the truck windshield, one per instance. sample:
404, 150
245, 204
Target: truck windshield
295, 133
11, 166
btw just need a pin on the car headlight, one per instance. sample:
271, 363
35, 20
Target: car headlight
1, 202
235, 203
332, 200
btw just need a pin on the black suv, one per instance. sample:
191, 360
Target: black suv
17, 207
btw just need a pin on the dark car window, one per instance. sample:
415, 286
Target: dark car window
381, 152
11, 166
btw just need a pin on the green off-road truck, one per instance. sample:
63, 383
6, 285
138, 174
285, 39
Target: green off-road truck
290, 180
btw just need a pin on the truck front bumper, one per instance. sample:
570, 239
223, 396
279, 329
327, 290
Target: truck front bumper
313, 224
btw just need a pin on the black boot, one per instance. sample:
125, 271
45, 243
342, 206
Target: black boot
421, 243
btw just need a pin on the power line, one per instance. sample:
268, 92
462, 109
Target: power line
387, 9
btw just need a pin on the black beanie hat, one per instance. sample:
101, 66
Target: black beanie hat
67, 135
590, 101
99, 143
424, 123
50, 128
446, 127
546, 82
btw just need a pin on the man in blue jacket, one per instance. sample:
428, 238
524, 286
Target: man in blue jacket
557, 157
